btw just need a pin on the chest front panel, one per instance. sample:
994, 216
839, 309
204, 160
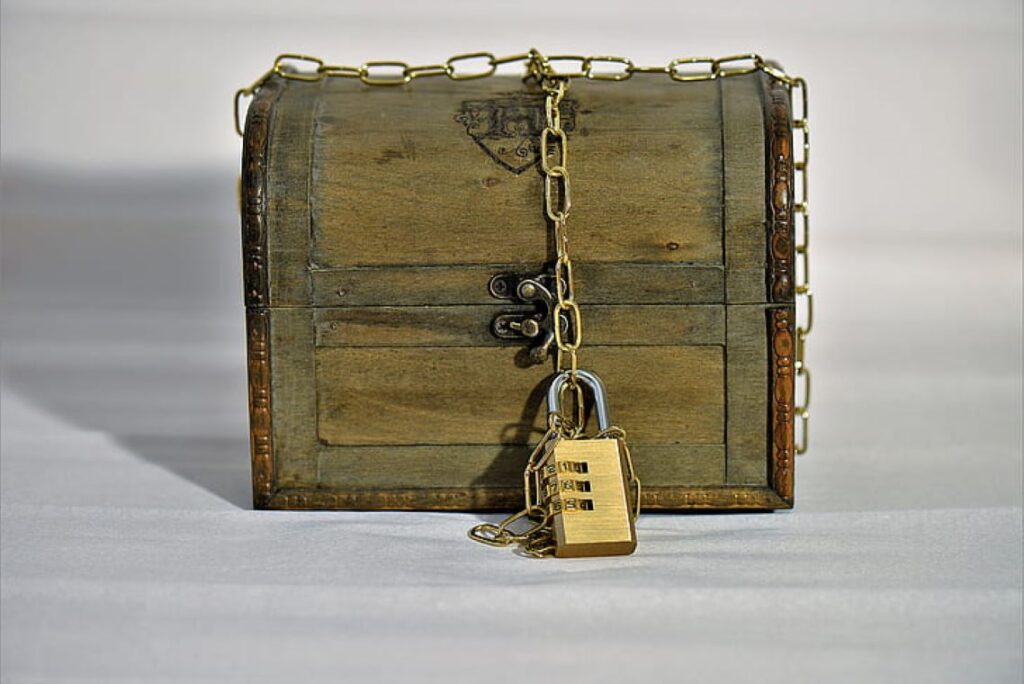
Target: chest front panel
375, 219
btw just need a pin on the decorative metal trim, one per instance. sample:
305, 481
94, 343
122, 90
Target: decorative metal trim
536, 325
254, 269
504, 498
260, 435
254, 195
780, 334
780, 284
779, 185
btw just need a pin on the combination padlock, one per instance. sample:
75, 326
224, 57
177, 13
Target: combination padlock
587, 484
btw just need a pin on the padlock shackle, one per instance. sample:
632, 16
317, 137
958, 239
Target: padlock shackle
589, 379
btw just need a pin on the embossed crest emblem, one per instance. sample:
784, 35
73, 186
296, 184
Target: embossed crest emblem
508, 127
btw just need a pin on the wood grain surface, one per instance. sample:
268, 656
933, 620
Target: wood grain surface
374, 219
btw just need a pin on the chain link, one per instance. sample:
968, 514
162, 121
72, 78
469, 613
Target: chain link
802, 228
557, 203
537, 539
553, 73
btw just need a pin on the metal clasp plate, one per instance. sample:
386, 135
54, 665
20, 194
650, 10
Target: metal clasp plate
534, 325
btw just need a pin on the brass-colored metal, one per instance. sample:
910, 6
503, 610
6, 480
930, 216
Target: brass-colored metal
367, 77
749, 63
568, 474
422, 70
574, 73
557, 204
563, 150
469, 56
586, 481
801, 211
632, 480
536, 538
343, 71
627, 68
679, 75
248, 91
286, 66
571, 421
575, 326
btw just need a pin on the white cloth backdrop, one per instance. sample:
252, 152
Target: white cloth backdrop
129, 551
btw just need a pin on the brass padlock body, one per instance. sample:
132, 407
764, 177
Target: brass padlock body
586, 488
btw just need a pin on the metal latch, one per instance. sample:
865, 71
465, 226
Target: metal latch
537, 324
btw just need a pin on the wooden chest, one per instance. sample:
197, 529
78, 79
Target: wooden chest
374, 220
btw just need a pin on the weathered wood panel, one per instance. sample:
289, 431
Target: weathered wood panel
490, 465
288, 241
293, 395
618, 283
747, 395
397, 178
743, 190
473, 395
469, 326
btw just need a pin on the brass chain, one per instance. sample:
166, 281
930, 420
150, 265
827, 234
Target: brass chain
802, 227
557, 203
553, 73
536, 540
